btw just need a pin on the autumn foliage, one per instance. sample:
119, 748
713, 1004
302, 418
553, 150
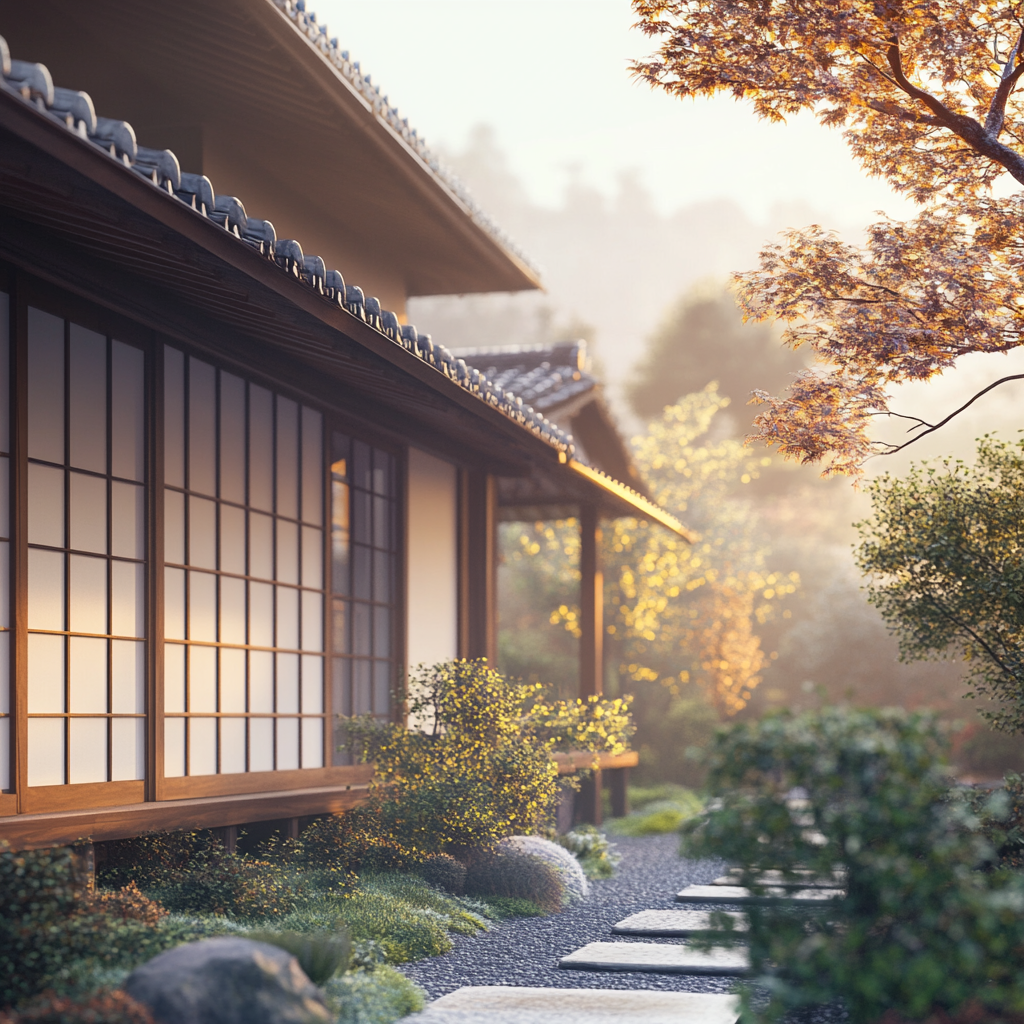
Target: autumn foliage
926, 96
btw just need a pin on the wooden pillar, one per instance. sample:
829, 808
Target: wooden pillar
478, 557
588, 799
591, 604
618, 790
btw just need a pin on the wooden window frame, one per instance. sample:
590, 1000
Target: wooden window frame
24, 290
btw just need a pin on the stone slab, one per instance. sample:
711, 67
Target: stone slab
496, 1004
737, 896
673, 924
661, 958
802, 879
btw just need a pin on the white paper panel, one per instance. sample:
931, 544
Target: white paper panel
232, 610
312, 743
128, 599
232, 680
174, 420
202, 533
287, 552
128, 752
128, 522
261, 546
88, 657
88, 750
261, 448
232, 438
202, 606
312, 467
88, 392
46, 751
202, 679
232, 745
287, 684
312, 557
202, 747
128, 677
202, 435
261, 744
261, 615
312, 621
45, 674
232, 539
45, 589
127, 412
88, 585
174, 677
45, 505
89, 513
287, 744
312, 684
287, 458
261, 682
45, 386
287, 617
174, 747
174, 604
174, 527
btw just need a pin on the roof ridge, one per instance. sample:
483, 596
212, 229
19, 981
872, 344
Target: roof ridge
32, 84
316, 35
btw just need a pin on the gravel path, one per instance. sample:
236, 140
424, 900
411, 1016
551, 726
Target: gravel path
526, 951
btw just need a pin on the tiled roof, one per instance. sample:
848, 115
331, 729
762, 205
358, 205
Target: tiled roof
320, 39
546, 377
74, 111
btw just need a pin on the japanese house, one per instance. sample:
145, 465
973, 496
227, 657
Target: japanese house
240, 493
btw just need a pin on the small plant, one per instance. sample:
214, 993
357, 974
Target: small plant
516, 875
125, 904
321, 955
378, 996
569, 869
501, 907
592, 849
232, 885
104, 1007
443, 872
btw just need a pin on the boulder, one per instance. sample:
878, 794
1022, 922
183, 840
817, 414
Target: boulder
227, 980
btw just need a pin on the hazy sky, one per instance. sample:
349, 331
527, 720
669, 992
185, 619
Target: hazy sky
551, 77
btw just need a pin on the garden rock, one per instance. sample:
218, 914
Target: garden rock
567, 866
227, 980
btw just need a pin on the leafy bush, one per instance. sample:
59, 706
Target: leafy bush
921, 929
231, 885
154, 859
518, 876
659, 816
105, 1007
598, 724
39, 891
1001, 819
477, 772
379, 996
356, 840
320, 954
443, 872
592, 849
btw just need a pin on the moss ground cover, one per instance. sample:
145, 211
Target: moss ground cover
657, 809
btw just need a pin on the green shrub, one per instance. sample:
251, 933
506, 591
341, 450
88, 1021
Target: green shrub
515, 875
320, 954
233, 886
1001, 819
443, 872
379, 996
922, 929
592, 849
105, 1007
39, 892
477, 772
155, 859
357, 840
659, 816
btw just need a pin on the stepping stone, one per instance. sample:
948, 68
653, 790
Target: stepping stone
737, 896
673, 924
802, 880
660, 958
495, 1004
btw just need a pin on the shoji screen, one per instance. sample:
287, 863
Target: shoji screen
244, 554
364, 547
86, 544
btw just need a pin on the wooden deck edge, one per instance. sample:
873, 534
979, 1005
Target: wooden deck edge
577, 760
35, 831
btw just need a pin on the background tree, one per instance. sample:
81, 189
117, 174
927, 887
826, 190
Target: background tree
945, 553
926, 96
702, 338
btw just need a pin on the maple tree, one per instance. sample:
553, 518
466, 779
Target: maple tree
926, 96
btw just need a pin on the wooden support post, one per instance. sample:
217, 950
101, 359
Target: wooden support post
591, 604
588, 800
291, 829
618, 790
478, 557
228, 835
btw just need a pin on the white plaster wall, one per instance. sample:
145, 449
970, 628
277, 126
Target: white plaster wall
432, 560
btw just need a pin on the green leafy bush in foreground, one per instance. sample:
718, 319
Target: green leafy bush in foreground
926, 928
378, 996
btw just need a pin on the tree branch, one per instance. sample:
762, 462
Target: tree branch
997, 108
892, 449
